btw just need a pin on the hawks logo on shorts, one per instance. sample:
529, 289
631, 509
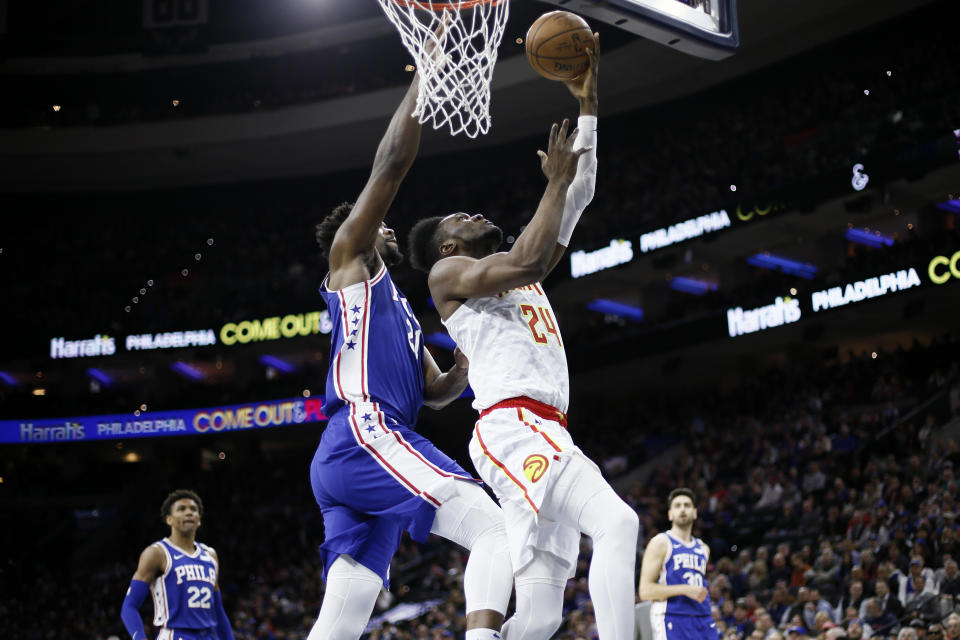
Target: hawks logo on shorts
535, 466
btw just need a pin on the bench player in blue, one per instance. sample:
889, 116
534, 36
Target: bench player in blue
182, 575
373, 476
673, 575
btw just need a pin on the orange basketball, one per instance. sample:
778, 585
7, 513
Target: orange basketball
557, 44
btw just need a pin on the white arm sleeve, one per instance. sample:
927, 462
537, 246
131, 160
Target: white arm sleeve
581, 190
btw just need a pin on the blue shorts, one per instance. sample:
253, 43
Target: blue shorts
187, 634
373, 479
673, 627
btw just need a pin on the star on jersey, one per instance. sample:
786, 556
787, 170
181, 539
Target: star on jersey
351, 345
355, 309
371, 428
367, 417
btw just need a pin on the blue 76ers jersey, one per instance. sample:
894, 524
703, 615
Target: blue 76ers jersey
376, 351
183, 595
685, 565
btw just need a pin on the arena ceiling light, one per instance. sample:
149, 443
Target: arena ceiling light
785, 265
188, 371
8, 379
614, 308
952, 206
873, 239
692, 285
100, 376
277, 363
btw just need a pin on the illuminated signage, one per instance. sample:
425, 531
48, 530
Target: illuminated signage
943, 268
693, 228
289, 326
98, 345
784, 310
186, 422
860, 179
865, 289
583, 263
170, 340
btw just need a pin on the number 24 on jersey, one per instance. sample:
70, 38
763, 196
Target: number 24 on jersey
535, 316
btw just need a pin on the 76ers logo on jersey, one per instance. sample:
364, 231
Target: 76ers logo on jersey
535, 466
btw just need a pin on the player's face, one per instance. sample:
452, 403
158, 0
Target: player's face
184, 515
388, 247
474, 232
682, 512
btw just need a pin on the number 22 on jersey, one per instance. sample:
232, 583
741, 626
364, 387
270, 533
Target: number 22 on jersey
535, 316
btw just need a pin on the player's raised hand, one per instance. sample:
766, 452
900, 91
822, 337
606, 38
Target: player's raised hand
560, 160
584, 87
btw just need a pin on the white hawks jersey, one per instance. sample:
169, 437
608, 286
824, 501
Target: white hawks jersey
514, 348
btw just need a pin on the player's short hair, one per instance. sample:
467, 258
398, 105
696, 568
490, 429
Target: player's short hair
328, 227
423, 245
681, 491
179, 494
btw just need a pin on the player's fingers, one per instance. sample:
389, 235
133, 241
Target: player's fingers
581, 151
572, 138
543, 158
552, 140
562, 134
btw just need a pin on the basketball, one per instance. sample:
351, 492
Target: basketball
557, 44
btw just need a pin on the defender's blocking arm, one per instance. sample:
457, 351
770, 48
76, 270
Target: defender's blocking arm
395, 154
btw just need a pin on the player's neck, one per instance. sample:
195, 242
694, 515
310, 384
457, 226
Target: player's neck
184, 541
683, 535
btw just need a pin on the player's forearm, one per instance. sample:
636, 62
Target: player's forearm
535, 247
130, 609
399, 146
657, 591
589, 106
445, 388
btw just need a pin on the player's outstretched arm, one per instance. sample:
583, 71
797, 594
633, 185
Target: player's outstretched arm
461, 277
650, 588
440, 388
398, 148
150, 566
581, 191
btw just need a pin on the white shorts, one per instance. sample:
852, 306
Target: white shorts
521, 455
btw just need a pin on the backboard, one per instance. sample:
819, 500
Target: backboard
704, 28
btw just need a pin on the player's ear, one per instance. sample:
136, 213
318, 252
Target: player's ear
447, 247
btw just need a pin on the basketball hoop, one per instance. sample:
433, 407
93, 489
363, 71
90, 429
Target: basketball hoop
454, 47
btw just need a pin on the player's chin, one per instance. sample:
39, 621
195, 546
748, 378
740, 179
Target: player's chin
493, 235
391, 256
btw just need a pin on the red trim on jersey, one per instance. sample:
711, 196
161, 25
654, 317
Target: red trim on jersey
502, 467
363, 342
377, 278
542, 409
535, 430
383, 461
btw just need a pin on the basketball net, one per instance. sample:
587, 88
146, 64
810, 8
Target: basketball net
455, 61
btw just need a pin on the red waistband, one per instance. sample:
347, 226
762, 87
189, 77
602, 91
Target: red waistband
542, 409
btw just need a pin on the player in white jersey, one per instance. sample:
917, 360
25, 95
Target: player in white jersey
495, 309
674, 575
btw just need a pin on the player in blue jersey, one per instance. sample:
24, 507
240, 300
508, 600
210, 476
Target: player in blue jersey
674, 575
182, 575
373, 476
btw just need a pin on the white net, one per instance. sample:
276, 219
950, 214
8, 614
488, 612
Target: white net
455, 61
